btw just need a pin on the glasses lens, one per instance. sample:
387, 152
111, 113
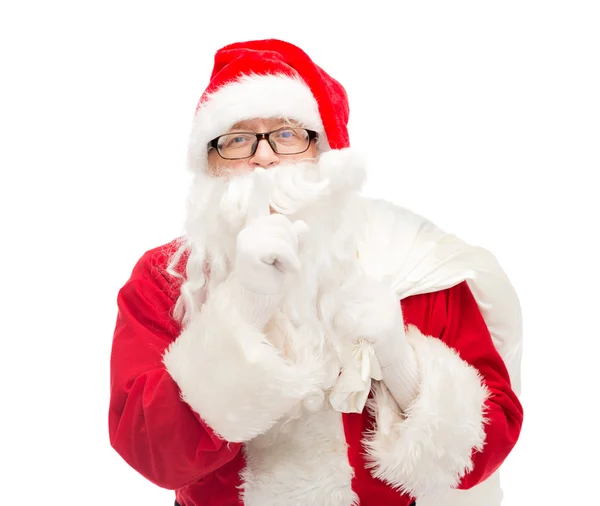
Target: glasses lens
289, 141
234, 146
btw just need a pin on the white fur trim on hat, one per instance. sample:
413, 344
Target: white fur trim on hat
252, 96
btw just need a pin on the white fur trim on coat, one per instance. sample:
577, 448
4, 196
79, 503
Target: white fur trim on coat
230, 374
252, 96
300, 461
428, 449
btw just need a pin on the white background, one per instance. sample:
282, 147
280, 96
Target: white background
496, 112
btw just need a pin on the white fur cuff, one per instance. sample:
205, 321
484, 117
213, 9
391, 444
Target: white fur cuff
230, 374
429, 449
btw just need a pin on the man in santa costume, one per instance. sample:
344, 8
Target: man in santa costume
302, 344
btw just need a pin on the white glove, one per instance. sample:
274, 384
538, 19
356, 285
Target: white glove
371, 312
266, 252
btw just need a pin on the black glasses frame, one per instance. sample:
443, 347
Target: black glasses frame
259, 137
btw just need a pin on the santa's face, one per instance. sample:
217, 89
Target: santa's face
321, 190
316, 190
264, 156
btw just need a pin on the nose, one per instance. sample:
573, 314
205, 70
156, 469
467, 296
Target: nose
264, 157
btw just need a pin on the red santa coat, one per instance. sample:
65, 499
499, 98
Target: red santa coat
456, 434
222, 445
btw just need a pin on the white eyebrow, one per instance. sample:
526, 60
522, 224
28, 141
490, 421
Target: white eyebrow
240, 126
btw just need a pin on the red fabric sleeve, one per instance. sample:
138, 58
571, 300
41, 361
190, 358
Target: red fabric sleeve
467, 332
149, 425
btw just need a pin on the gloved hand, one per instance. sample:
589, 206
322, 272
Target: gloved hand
371, 311
266, 252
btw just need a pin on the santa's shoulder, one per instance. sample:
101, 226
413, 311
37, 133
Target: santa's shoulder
156, 259
162, 265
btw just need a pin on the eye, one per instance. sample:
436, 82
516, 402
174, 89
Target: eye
235, 141
291, 135
287, 134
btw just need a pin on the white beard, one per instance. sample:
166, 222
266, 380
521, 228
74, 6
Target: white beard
313, 192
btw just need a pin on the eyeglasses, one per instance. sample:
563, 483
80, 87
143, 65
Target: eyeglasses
284, 141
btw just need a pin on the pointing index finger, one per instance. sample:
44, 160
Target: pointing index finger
259, 202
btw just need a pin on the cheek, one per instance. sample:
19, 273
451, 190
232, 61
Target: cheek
238, 165
214, 161
216, 164
311, 152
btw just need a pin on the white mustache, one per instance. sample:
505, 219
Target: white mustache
295, 187
289, 188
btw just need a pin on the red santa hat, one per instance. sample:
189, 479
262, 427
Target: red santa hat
264, 79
